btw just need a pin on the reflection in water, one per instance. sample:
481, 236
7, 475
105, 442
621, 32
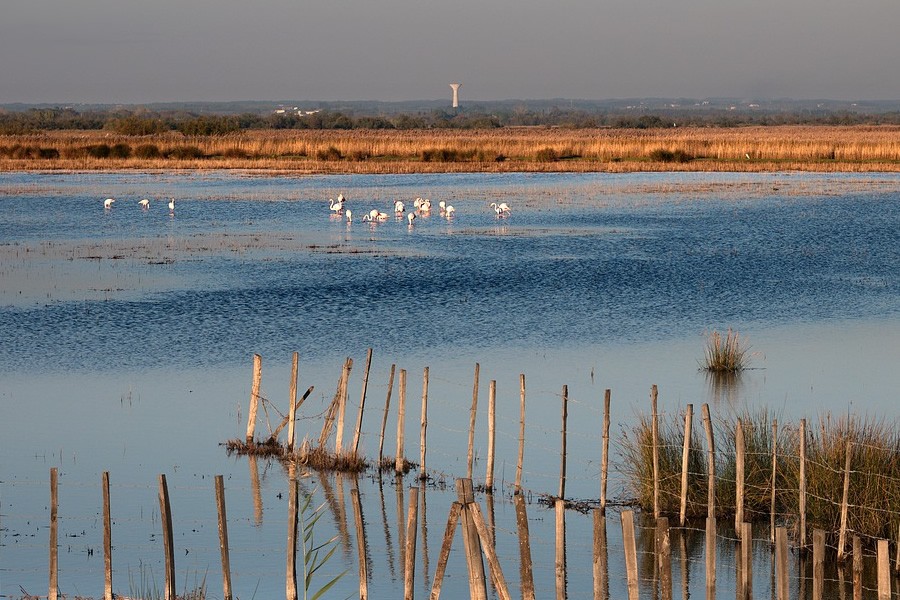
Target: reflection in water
526, 574
387, 529
338, 510
362, 546
601, 557
724, 387
253, 465
423, 518
401, 520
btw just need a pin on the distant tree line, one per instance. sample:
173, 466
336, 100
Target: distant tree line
140, 122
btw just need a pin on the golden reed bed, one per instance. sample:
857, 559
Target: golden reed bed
782, 148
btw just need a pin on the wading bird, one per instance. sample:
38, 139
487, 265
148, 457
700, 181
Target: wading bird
108, 203
448, 212
172, 205
501, 209
411, 217
399, 207
338, 206
145, 204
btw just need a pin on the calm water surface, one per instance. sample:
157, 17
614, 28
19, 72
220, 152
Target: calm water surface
128, 338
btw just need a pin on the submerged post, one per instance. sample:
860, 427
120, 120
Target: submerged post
165, 515
223, 537
107, 539
53, 590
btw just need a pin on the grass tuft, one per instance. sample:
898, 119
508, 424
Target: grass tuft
726, 354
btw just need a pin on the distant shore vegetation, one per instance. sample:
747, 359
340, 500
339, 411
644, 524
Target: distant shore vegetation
323, 141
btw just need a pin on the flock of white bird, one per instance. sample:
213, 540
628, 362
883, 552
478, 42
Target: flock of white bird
144, 204
421, 206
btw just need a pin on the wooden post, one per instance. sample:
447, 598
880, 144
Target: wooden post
710, 464
654, 429
842, 536
857, 568
409, 568
711, 557
293, 522
492, 434
774, 479
562, 454
560, 506
292, 394
489, 553
165, 515
884, 570
446, 545
818, 564
601, 558
424, 426
685, 457
739, 477
401, 423
631, 567
360, 544
802, 533
387, 405
342, 406
53, 590
477, 587
747, 560
470, 457
604, 458
897, 559
223, 537
521, 457
362, 403
254, 397
525, 567
107, 539
781, 564
664, 557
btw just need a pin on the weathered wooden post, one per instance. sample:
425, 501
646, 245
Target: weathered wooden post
342, 406
739, 477
387, 405
857, 568
489, 553
818, 564
560, 506
802, 533
664, 557
601, 557
470, 457
362, 403
165, 514
492, 435
292, 399
685, 458
782, 583
521, 457
710, 464
53, 590
562, 454
477, 586
842, 536
525, 565
747, 559
774, 479
401, 424
710, 558
446, 545
254, 397
107, 539
604, 458
223, 537
423, 426
293, 522
884, 570
654, 430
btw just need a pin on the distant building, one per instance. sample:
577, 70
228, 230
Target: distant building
455, 87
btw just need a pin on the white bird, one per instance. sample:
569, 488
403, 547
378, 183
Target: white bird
448, 212
373, 214
411, 217
108, 203
145, 204
442, 206
349, 214
341, 198
336, 206
399, 207
172, 205
500, 209
417, 203
425, 206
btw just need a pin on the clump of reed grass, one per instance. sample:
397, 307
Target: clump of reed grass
726, 354
318, 457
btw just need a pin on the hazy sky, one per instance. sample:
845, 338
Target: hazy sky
124, 51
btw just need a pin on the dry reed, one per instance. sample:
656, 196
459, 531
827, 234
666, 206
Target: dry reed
811, 148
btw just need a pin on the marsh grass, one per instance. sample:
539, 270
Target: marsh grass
874, 507
811, 148
727, 354
314, 457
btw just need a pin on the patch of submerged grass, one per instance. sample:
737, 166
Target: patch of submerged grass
318, 458
725, 354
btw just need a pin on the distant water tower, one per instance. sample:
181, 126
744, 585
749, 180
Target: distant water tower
455, 87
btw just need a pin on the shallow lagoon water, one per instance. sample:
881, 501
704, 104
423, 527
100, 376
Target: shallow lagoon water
128, 338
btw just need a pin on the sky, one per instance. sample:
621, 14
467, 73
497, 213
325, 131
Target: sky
123, 51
